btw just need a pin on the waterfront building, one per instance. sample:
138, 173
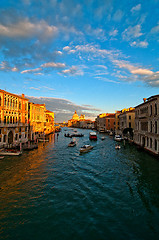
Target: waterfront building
127, 122
49, 124
73, 122
117, 124
37, 120
105, 122
13, 119
146, 133
89, 124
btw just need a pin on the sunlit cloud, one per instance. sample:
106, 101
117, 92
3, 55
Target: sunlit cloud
38, 89
132, 32
136, 8
72, 71
28, 29
53, 65
31, 70
141, 44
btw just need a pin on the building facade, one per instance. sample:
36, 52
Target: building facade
37, 120
127, 122
105, 122
13, 119
146, 133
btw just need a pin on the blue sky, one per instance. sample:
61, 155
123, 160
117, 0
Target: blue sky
90, 56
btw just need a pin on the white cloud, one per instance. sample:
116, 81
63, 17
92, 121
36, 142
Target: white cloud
113, 32
5, 66
131, 68
67, 48
155, 29
31, 70
136, 8
53, 65
132, 32
142, 44
38, 89
72, 71
27, 29
118, 15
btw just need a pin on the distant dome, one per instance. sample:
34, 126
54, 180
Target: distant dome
75, 116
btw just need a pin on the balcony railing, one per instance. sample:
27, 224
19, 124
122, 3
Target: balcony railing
13, 124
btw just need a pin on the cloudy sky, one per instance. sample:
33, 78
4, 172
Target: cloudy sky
92, 56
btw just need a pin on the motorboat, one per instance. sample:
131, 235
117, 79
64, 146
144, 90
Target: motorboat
85, 148
1, 157
92, 136
102, 138
43, 140
10, 152
117, 147
68, 135
72, 144
118, 138
77, 135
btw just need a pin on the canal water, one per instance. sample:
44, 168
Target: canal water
54, 193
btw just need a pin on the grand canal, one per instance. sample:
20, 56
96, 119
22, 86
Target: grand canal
55, 193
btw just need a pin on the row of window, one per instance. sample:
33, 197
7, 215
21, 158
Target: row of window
152, 110
12, 103
4, 139
144, 127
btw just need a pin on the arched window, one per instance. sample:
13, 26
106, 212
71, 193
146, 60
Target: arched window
155, 145
150, 110
155, 108
155, 126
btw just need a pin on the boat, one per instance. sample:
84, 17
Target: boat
68, 135
92, 136
118, 138
72, 144
43, 140
101, 131
10, 152
1, 157
117, 147
85, 148
77, 135
111, 134
102, 138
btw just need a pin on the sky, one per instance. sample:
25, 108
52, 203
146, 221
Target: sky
90, 56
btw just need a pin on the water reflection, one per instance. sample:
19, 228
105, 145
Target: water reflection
102, 194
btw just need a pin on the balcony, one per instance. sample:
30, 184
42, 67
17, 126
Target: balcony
13, 124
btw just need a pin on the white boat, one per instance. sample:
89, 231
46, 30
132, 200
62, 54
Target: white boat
111, 134
92, 136
1, 157
85, 148
72, 144
43, 140
102, 138
118, 138
10, 152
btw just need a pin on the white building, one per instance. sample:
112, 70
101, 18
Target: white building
146, 133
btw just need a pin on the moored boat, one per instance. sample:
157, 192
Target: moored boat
92, 136
85, 148
102, 138
10, 152
118, 138
72, 144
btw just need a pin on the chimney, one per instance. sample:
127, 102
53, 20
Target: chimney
144, 99
23, 96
